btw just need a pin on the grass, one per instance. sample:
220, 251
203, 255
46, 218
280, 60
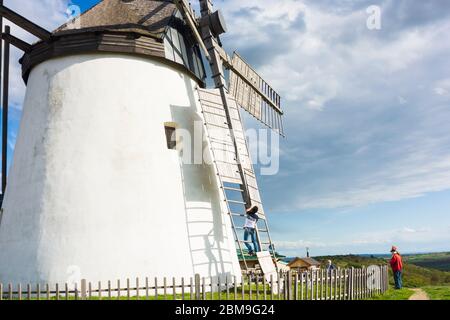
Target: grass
438, 292
247, 293
416, 277
321, 292
393, 294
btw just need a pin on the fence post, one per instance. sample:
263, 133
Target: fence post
352, 282
345, 284
19, 291
271, 287
296, 287
386, 272
317, 284
358, 284
75, 289
289, 285
197, 286
10, 291
364, 282
83, 289
381, 280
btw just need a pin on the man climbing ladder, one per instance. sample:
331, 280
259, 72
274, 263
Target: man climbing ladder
250, 227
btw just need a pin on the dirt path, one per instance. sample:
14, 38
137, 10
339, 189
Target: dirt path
419, 294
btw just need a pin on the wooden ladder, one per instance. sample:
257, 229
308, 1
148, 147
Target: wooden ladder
237, 180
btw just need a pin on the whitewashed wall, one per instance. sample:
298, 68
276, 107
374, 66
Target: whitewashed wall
93, 186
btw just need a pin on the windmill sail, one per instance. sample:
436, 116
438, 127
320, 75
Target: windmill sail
254, 94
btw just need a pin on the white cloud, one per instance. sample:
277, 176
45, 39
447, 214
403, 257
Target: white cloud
401, 236
361, 121
442, 87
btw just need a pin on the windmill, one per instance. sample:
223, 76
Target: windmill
95, 174
246, 89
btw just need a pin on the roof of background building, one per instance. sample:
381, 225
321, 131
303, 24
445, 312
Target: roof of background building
307, 261
146, 17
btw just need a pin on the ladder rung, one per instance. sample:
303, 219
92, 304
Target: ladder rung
259, 230
235, 201
261, 217
233, 189
248, 241
238, 214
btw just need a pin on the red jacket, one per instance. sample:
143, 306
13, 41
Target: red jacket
396, 262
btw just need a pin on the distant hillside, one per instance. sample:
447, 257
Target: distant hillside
349, 261
439, 261
414, 275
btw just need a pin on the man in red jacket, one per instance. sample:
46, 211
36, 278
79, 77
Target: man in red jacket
397, 267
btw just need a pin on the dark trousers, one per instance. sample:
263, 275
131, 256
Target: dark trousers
398, 279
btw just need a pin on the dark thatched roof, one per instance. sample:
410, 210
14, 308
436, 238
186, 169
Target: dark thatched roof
146, 17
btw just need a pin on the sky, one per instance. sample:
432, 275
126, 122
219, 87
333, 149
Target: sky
366, 160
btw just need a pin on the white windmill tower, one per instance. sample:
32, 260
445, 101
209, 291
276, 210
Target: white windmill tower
97, 181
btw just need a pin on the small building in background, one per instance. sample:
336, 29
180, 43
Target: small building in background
283, 266
303, 264
253, 262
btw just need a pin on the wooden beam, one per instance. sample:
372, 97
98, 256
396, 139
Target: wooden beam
20, 44
6, 55
24, 23
190, 19
1, 56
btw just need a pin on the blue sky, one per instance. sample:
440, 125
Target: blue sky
366, 161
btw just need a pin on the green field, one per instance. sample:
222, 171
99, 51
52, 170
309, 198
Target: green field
348, 261
392, 294
439, 261
438, 292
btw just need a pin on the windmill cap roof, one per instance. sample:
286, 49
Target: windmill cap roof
147, 17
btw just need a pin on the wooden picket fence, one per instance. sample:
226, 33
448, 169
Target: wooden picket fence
339, 284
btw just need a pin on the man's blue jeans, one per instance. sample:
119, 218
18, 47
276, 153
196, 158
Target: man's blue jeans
249, 232
398, 279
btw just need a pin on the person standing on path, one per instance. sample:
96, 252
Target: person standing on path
397, 267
